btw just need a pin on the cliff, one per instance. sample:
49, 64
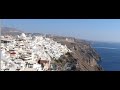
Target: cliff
82, 58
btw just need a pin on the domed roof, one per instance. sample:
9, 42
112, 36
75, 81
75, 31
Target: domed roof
23, 35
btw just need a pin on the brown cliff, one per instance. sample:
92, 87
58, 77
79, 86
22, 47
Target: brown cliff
82, 58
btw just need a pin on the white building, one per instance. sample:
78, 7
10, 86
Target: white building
29, 49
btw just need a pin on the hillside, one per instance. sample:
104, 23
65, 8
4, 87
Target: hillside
82, 58
10, 31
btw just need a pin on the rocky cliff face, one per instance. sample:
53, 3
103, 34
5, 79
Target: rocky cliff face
82, 58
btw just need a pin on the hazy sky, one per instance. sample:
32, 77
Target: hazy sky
91, 29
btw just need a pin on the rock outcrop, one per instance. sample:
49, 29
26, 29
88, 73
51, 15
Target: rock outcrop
82, 58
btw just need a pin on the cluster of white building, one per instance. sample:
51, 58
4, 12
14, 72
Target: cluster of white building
25, 53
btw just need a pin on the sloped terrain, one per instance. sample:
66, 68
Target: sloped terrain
10, 31
82, 58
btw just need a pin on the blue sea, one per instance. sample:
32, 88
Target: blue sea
110, 55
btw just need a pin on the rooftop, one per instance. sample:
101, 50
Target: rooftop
28, 49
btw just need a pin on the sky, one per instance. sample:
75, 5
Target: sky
89, 29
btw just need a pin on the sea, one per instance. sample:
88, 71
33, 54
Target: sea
110, 55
